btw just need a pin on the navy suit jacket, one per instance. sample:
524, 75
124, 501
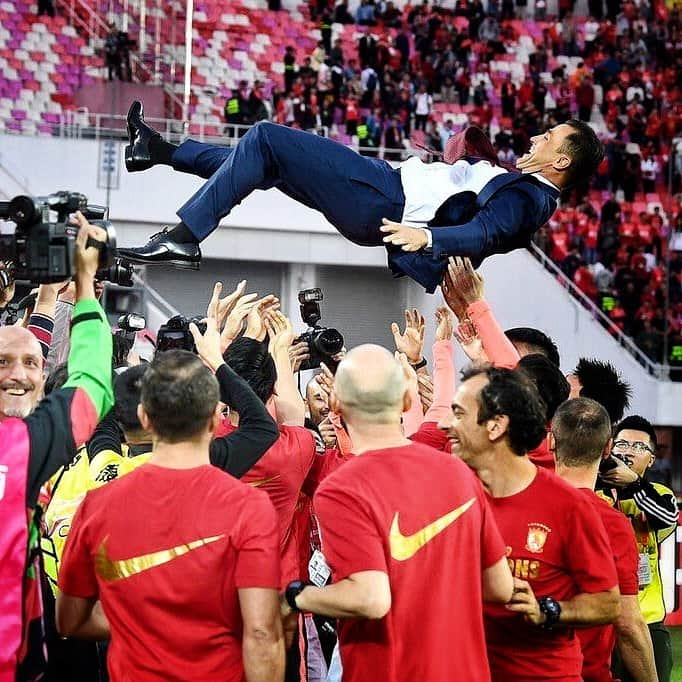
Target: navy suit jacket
503, 217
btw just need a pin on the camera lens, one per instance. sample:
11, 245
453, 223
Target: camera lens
329, 341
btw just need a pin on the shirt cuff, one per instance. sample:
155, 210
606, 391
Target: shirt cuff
429, 237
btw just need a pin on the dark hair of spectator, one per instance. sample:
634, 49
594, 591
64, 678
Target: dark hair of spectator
251, 361
536, 340
180, 394
127, 390
511, 393
57, 378
581, 429
602, 382
584, 149
636, 423
548, 379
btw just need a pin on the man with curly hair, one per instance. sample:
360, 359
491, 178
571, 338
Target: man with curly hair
556, 548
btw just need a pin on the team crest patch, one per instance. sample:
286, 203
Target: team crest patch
537, 536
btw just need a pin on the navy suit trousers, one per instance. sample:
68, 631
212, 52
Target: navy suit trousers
353, 192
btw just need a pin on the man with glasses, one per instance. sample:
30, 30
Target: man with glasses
652, 510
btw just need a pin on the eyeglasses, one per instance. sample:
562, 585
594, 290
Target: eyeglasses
637, 447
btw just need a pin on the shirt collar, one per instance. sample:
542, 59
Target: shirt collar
547, 182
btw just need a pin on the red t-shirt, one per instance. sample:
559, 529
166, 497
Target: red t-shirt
421, 517
556, 544
281, 472
543, 457
597, 643
166, 551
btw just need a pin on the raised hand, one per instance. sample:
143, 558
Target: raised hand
325, 379
465, 280
235, 320
411, 341
208, 344
298, 353
452, 298
227, 304
467, 337
281, 332
255, 320
444, 323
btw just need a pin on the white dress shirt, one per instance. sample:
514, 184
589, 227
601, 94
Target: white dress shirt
428, 185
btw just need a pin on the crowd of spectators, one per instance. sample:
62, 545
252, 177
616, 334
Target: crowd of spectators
625, 79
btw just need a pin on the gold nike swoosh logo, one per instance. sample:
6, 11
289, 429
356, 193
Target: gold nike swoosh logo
109, 569
263, 481
404, 547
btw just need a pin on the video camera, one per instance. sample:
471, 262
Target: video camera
175, 334
43, 249
323, 342
128, 326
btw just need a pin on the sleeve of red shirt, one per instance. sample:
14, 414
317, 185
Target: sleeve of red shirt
301, 443
77, 570
589, 556
258, 544
351, 542
492, 544
430, 434
624, 545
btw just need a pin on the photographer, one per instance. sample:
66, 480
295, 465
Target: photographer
40, 436
652, 510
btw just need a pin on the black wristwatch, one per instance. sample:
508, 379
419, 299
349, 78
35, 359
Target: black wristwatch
552, 610
292, 591
420, 364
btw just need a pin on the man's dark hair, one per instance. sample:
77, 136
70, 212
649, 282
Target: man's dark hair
57, 378
584, 149
127, 391
636, 423
548, 379
537, 342
511, 393
180, 394
602, 382
581, 429
251, 361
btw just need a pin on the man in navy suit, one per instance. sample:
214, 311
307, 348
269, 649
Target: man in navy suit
422, 213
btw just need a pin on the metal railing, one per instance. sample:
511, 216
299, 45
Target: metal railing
94, 28
84, 124
654, 368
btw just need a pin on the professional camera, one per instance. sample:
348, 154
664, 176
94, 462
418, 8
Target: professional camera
42, 248
124, 336
119, 272
323, 342
175, 334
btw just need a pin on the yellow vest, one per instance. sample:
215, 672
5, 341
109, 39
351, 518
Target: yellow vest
232, 106
73, 482
648, 541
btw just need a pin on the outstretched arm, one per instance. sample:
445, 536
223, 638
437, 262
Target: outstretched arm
469, 286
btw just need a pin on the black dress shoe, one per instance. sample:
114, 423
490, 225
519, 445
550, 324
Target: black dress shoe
137, 154
162, 250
